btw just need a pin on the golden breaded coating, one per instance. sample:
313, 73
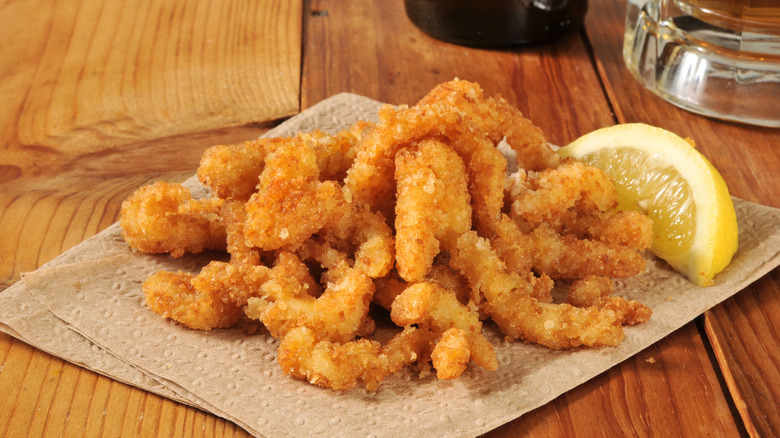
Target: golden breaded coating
291, 203
387, 288
172, 295
433, 204
364, 233
497, 119
566, 222
233, 214
486, 167
597, 291
629, 229
456, 111
230, 282
336, 153
163, 218
342, 366
375, 246
232, 171
390, 286
546, 195
339, 314
451, 354
521, 316
430, 306
513, 246
567, 257
450, 279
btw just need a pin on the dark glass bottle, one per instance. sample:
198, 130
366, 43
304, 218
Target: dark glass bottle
496, 22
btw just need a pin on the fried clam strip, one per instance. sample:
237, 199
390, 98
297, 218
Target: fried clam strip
232, 171
450, 279
630, 229
390, 286
164, 218
419, 221
567, 257
233, 216
238, 283
336, 153
559, 255
571, 230
451, 355
363, 233
173, 295
433, 205
496, 119
510, 303
341, 366
542, 197
576, 199
292, 204
597, 291
387, 288
456, 111
214, 298
430, 306
486, 168
339, 314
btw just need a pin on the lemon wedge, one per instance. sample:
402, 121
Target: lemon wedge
664, 176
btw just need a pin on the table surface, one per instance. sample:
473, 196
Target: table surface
100, 98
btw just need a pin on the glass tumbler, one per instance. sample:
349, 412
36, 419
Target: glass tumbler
719, 58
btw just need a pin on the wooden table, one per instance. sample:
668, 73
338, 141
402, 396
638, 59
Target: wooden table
99, 98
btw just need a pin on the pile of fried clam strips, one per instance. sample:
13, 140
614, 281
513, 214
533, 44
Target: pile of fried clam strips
392, 256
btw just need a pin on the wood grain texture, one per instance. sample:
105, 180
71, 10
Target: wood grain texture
94, 73
98, 99
89, 88
43, 216
44, 395
743, 331
59, 399
745, 336
649, 394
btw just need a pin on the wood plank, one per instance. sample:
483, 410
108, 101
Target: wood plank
643, 396
78, 77
557, 87
46, 396
745, 336
43, 216
743, 332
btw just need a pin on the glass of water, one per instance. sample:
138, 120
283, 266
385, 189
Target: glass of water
719, 58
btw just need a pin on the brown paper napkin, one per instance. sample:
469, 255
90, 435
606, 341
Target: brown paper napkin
86, 306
